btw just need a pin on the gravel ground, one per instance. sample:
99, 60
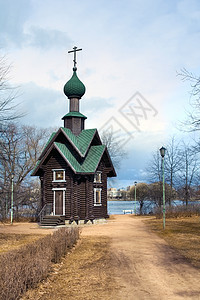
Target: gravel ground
122, 259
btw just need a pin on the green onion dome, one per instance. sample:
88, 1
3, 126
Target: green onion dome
74, 88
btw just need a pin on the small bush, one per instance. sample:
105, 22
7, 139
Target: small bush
24, 268
179, 211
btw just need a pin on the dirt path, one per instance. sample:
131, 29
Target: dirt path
144, 266
116, 261
24, 228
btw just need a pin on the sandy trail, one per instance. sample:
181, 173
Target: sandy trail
144, 266
139, 264
25, 228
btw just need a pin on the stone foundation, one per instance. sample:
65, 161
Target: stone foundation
82, 222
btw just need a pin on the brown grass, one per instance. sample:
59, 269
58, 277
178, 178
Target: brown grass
183, 234
86, 273
23, 268
11, 241
179, 211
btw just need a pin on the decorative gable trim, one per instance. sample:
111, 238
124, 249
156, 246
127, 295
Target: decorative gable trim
61, 153
89, 166
111, 164
80, 143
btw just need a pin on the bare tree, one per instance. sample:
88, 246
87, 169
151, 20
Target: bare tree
19, 149
142, 194
156, 193
193, 120
188, 174
116, 152
154, 171
173, 164
8, 94
154, 168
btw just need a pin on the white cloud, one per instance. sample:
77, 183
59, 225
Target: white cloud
46, 38
127, 47
39, 104
13, 16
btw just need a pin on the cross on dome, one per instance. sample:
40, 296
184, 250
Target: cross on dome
74, 88
75, 49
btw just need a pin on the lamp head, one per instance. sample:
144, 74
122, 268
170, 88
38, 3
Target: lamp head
162, 151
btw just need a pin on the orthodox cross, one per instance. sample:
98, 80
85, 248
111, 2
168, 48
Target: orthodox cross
74, 50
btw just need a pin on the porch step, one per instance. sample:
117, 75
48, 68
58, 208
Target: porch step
52, 221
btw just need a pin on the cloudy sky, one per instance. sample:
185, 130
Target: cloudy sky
132, 51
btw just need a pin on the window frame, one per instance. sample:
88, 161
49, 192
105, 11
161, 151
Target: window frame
95, 197
100, 173
54, 175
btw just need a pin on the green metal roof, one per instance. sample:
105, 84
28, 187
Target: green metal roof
75, 114
74, 87
71, 137
91, 162
37, 164
85, 138
49, 140
82, 141
68, 156
91, 156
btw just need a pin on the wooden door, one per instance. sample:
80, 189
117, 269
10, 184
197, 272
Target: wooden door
58, 202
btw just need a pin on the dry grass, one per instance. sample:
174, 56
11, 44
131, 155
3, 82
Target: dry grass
11, 241
23, 268
178, 211
86, 273
183, 234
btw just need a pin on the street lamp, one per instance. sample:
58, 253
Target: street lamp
162, 153
135, 196
11, 212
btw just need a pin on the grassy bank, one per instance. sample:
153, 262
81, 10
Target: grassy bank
84, 274
183, 234
23, 268
11, 241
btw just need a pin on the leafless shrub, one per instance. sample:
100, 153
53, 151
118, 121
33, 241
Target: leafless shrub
24, 268
179, 211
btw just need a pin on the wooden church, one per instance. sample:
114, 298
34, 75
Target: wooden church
73, 167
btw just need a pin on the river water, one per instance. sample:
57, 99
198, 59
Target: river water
117, 207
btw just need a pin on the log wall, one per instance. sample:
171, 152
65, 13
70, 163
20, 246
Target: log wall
79, 195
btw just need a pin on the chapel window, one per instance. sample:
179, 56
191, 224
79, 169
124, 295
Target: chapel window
97, 197
97, 177
58, 175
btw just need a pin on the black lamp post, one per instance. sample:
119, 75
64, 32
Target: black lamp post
162, 153
11, 211
135, 196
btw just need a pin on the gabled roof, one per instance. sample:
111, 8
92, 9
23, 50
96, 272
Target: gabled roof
34, 169
80, 143
49, 140
90, 156
91, 162
89, 165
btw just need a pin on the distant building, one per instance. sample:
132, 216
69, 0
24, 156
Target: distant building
114, 193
